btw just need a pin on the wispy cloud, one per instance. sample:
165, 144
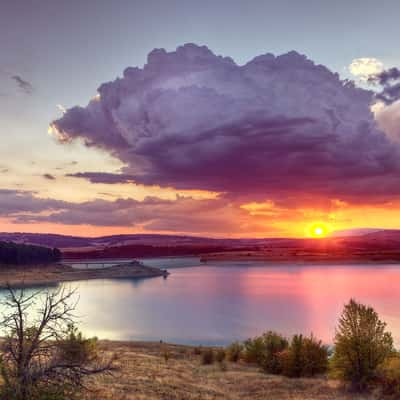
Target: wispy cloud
49, 177
103, 177
23, 84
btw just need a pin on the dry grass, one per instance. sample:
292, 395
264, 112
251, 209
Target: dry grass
146, 374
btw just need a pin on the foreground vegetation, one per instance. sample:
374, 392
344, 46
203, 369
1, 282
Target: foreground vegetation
44, 357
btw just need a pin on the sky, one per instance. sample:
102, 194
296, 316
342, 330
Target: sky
242, 123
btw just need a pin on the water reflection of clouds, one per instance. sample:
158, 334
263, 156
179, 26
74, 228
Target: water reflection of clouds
218, 304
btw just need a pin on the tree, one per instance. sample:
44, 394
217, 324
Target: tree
43, 355
362, 344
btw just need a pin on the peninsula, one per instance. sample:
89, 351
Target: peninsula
53, 274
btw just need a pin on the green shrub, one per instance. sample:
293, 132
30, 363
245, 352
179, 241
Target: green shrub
253, 350
362, 345
264, 350
75, 349
234, 351
306, 356
389, 377
207, 357
220, 355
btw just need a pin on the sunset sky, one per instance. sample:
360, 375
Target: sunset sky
214, 118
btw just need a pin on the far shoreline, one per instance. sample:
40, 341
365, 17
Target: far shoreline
301, 259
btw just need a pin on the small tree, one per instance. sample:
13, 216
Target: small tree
43, 355
361, 345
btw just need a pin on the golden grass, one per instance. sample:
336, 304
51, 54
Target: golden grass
146, 375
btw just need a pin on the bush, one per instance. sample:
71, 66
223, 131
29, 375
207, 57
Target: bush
389, 377
264, 350
207, 357
305, 356
76, 349
220, 355
362, 345
234, 351
253, 350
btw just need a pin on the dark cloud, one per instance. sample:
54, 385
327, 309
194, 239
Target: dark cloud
49, 177
24, 85
103, 177
390, 82
275, 128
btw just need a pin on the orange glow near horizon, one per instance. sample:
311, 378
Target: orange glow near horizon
251, 220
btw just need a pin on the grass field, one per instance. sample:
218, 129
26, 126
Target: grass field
145, 374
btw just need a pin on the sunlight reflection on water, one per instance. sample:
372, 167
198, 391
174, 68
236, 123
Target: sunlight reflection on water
219, 303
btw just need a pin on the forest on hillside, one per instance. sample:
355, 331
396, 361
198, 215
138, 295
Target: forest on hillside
23, 254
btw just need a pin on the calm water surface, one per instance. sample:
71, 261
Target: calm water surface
221, 302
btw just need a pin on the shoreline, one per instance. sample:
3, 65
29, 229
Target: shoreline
54, 274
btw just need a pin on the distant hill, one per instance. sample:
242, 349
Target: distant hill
360, 244
354, 232
62, 241
65, 241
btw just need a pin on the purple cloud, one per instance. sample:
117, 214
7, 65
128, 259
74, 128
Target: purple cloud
13, 202
103, 177
183, 214
272, 128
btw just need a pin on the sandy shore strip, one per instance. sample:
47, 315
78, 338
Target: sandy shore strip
43, 275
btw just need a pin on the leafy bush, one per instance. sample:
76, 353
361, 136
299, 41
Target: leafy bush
253, 350
220, 355
76, 349
306, 356
362, 345
207, 357
234, 351
389, 377
264, 350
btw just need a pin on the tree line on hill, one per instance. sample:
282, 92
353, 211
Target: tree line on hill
23, 254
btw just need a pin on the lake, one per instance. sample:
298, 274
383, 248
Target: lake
217, 303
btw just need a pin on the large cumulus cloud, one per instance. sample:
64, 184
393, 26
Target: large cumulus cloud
274, 127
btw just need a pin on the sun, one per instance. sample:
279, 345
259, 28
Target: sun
318, 230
